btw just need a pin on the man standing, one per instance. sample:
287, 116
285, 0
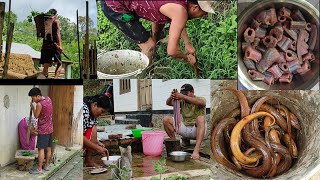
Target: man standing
52, 47
43, 112
193, 111
125, 14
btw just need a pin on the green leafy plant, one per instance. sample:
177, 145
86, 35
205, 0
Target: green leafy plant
124, 172
175, 177
26, 153
160, 167
55, 141
36, 13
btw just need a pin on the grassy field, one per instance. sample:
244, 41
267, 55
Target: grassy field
214, 37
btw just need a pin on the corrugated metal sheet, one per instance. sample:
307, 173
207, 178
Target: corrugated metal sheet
18, 48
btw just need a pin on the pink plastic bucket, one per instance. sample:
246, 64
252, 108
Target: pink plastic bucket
152, 142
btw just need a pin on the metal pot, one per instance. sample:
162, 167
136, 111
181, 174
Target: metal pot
299, 82
179, 156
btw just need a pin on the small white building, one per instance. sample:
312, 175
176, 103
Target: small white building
15, 105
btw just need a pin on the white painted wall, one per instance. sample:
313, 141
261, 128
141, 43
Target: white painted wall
128, 101
77, 109
161, 90
10, 118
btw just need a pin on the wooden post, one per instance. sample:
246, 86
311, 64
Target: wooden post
87, 41
91, 60
8, 44
29, 126
78, 36
84, 61
2, 10
8, 48
95, 58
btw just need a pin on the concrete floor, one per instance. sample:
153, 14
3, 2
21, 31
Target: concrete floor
72, 170
143, 167
11, 173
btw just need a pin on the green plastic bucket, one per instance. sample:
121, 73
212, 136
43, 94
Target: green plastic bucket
137, 132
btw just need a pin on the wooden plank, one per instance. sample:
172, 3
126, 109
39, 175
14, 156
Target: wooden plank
62, 101
8, 48
2, 11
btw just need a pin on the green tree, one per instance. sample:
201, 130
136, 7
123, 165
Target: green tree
13, 19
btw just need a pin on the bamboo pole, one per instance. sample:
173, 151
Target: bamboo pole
84, 61
2, 11
8, 44
95, 58
79, 52
8, 48
87, 41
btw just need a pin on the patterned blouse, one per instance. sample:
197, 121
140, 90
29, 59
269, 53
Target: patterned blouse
88, 121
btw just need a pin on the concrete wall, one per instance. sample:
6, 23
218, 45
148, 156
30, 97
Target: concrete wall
128, 101
9, 119
161, 90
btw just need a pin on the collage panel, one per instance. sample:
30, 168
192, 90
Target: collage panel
278, 45
41, 132
48, 39
146, 131
265, 134
159, 89
167, 39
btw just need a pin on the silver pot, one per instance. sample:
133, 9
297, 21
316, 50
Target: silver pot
299, 82
179, 156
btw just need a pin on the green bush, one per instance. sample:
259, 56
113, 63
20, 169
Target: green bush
215, 43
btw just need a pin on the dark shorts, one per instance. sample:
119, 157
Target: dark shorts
44, 141
47, 55
132, 30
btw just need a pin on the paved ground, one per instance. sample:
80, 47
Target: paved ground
11, 173
71, 170
143, 166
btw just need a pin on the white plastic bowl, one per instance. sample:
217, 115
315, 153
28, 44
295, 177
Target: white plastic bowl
121, 64
112, 160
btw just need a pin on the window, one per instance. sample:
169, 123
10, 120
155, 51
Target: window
125, 86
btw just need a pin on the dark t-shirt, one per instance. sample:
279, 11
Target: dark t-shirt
146, 9
48, 43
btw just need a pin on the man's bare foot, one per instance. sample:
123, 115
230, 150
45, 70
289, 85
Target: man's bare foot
149, 52
195, 155
191, 59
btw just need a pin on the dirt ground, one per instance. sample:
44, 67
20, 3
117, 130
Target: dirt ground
20, 63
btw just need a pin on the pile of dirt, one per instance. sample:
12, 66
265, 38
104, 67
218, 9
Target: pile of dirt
20, 63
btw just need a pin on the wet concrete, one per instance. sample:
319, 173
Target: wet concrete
72, 170
143, 166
